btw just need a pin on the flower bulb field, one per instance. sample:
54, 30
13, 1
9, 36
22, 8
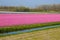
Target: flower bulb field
19, 19
11, 23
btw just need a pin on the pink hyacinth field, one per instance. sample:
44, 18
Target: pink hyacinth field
19, 19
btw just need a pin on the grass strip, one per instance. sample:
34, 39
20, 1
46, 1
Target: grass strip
23, 27
29, 31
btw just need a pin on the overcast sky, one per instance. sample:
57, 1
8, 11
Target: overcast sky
28, 3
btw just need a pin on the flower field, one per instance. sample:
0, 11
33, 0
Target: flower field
20, 19
16, 22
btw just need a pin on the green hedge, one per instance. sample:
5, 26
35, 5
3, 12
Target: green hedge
23, 27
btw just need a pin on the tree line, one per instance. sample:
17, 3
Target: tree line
41, 8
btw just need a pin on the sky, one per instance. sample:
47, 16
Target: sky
27, 3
